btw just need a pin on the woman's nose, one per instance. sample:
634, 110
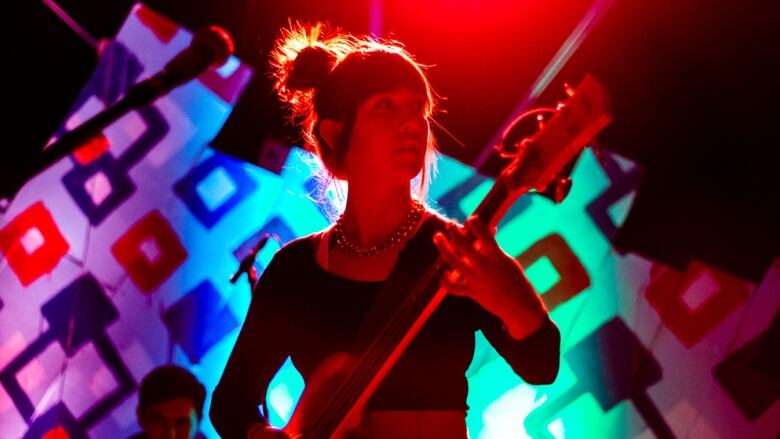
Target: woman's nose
413, 122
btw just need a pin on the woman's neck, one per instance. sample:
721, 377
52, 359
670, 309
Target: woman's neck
372, 215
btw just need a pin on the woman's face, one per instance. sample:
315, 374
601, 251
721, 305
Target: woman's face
389, 138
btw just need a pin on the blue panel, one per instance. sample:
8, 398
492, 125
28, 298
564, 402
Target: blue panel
212, 171
621, 184
79, 313
276, 226
199, 321
156, 127
115, 72
57, 416
612, 364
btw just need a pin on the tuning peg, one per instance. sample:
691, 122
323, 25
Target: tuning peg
568, 89
600, 151
540, 121
558, 189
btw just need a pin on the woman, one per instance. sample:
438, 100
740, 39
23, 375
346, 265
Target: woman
365, 107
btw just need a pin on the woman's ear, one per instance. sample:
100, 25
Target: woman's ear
330, 131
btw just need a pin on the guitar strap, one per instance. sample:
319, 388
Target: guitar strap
414, 260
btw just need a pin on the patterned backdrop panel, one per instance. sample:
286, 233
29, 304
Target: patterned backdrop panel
108, 261
118, 258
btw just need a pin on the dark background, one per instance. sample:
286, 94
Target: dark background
694, 87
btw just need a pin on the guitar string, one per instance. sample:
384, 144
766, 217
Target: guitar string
377, 356
379, 351
374, 353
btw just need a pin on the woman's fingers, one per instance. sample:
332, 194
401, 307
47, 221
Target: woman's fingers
460, 243
454, 283
484, 241
474, 240
474, 257
456, 280
449, 254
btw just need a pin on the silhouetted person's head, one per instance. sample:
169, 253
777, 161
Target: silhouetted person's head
170, 403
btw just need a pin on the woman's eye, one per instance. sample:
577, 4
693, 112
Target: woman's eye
384, 104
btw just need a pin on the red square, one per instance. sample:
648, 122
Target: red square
56, 433
668, 290
92, 149
32, 243
163, 28
150, 251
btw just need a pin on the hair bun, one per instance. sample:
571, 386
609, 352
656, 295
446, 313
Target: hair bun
310, 67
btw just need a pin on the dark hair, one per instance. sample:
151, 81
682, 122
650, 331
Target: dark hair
322, 75
169, 382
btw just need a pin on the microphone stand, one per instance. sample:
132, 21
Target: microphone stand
210, 46
138, 96
248, 261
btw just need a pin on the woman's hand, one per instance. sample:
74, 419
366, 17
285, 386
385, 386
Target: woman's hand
480, 269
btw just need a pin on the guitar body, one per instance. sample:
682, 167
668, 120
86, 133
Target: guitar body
316, 398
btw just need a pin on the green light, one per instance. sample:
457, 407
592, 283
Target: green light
583, 419
619, 210
284, 390
450, 174
542, 275
267, 253
470, 202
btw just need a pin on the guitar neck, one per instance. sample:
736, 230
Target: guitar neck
497, 201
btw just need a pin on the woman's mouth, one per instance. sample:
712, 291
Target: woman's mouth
409, 145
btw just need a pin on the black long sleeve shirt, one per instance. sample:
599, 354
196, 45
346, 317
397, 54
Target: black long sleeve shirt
305, 312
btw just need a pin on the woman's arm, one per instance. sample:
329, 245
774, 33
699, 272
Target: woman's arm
518, 325
258, 354
535, 358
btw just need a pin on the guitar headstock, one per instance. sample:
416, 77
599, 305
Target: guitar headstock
542, 157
